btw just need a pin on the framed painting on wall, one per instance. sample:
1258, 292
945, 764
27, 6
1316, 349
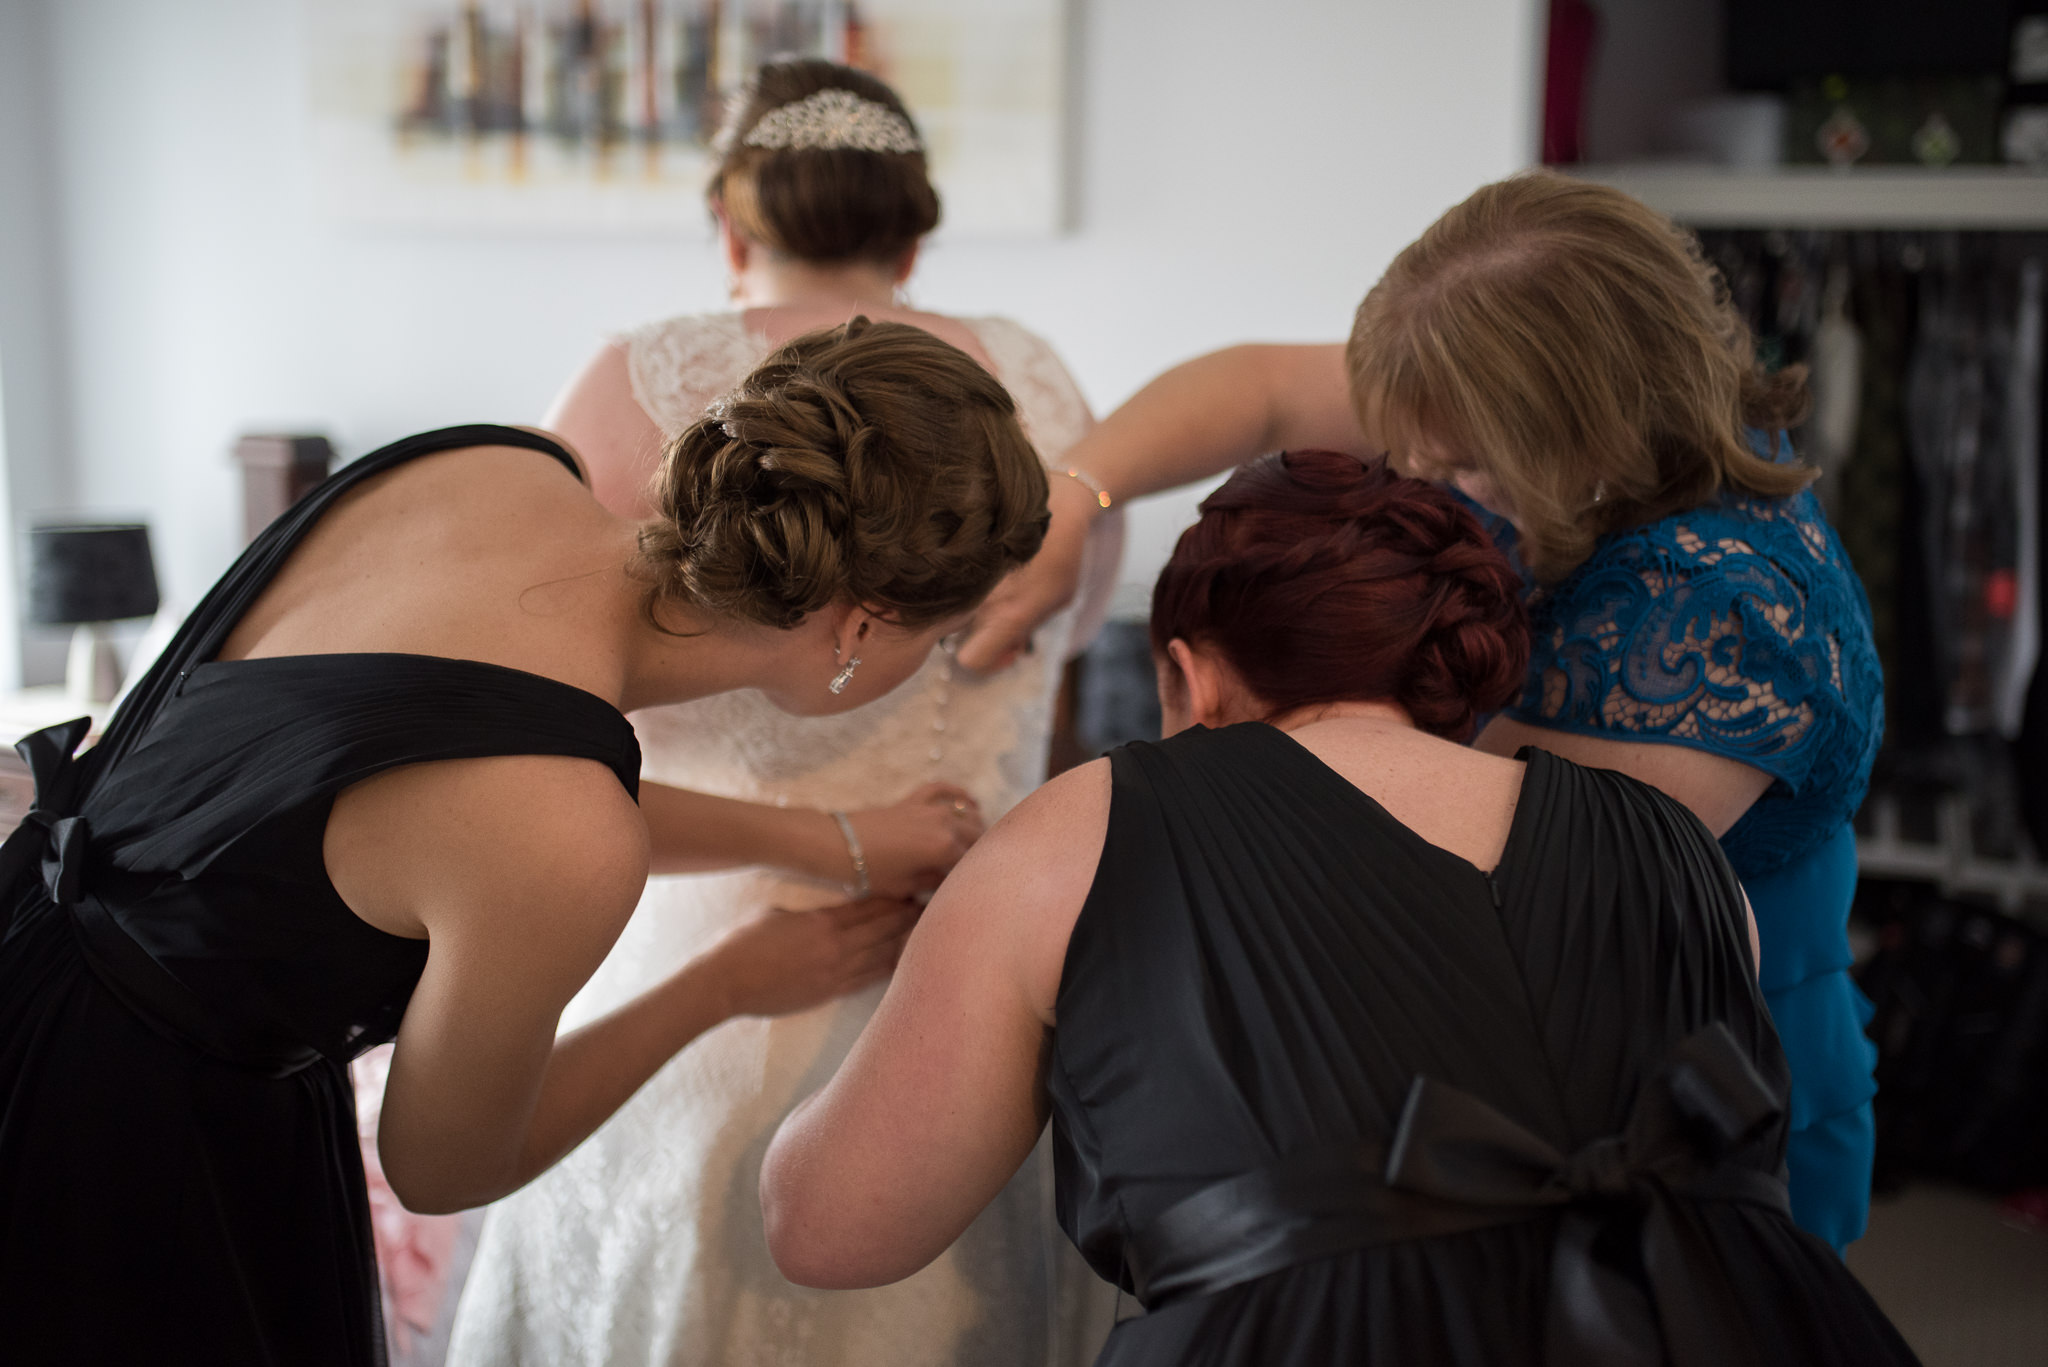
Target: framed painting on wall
599, 114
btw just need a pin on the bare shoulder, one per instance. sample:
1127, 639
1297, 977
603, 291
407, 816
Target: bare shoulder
603, 413
1017, 894
418, 850
1068, 814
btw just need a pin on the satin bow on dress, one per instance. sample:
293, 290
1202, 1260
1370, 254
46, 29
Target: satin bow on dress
52, 830
1624, 1288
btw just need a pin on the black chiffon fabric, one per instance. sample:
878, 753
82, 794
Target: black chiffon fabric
181, 988
1266, 965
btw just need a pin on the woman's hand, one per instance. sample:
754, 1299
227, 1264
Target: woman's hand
1036, 589
784, 961
911, 846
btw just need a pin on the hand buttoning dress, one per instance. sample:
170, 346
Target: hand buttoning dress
644, 1246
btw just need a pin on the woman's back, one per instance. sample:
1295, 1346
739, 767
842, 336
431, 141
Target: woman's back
540, 1289
1267, 964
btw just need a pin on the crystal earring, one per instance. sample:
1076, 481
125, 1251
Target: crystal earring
844, 676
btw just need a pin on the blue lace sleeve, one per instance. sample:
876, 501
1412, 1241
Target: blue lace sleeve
1738, 629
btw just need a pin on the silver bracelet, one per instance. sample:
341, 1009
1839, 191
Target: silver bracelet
860, 885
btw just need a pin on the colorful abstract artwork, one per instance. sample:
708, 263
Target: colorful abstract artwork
599, 114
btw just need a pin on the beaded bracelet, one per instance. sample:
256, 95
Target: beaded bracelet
1092, 485
861, 886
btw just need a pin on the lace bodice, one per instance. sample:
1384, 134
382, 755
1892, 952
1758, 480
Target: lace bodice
1739, 629
988, 735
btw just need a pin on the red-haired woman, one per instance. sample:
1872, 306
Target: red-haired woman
1359, 1045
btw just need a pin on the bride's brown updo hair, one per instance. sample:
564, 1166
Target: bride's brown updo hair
819, 204
1323, 578
870, 463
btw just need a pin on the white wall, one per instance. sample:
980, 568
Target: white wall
34, 435
1244, 171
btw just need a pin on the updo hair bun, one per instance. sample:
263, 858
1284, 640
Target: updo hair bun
870, 463
1323, 578
819, 204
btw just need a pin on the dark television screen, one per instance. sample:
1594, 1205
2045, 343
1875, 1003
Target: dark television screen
1772, 43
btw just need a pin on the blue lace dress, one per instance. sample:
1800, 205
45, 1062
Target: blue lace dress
1740, 629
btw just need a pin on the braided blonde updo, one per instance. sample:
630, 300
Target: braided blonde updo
870, 463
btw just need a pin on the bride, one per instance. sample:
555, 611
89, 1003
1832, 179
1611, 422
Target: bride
645, 1245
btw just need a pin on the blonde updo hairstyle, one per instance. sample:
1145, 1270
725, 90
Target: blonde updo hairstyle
826, 205
1574, 347
869, 463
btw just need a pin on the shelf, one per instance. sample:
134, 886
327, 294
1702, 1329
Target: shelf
2019, 886
1823, 197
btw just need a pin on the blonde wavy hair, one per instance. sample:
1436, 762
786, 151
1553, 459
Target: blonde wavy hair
1576, 349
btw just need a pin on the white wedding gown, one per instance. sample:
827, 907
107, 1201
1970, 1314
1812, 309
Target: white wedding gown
644, 1246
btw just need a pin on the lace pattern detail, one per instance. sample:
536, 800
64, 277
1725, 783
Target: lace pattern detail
678, 366
644, 1246
1738, 629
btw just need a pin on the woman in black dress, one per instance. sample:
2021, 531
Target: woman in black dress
1359, 1045
381, 785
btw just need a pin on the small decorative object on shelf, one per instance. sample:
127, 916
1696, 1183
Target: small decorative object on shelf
85, 575
1894, 121
2024, 139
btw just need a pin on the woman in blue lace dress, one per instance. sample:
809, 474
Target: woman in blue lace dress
1565, 357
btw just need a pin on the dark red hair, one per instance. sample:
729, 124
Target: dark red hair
1323, 578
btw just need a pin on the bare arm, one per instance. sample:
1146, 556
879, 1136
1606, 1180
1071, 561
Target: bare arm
620, 445
943, 1096
909, 846
1202, 417
520, 899
1717, 789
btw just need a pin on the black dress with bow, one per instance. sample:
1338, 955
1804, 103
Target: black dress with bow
1326, 1093
181, 988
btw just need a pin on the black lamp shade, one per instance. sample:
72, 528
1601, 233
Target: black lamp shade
89, 573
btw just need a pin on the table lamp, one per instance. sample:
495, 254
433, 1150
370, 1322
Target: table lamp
85, 575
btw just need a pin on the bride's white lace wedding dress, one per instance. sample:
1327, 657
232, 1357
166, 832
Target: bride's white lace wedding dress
644, 1245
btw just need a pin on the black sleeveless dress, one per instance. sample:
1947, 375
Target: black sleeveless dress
1326, 1093
181, 988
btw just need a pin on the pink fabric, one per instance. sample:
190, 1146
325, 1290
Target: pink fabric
413, 1251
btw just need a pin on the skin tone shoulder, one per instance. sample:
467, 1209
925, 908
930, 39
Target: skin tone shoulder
521, 870
1209, 414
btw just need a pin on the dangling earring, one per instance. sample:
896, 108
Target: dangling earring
732, 288
844, 676
899, 295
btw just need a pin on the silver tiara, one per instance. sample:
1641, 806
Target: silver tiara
832, 119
